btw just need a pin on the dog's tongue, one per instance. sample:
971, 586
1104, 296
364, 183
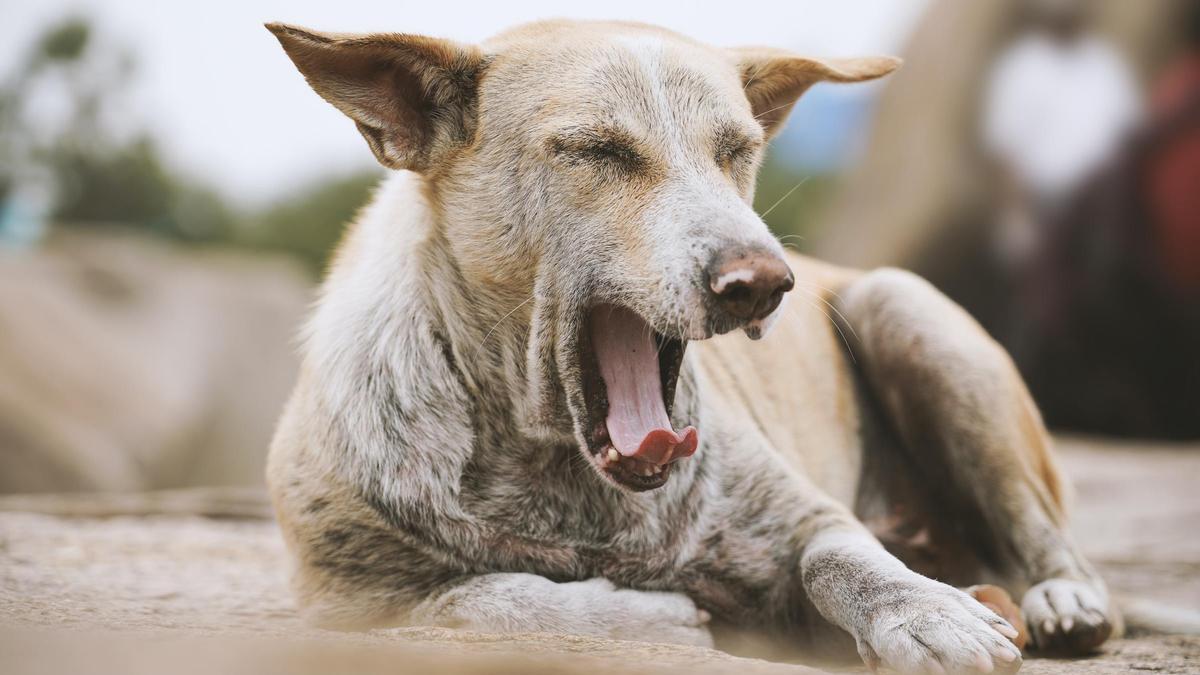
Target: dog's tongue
637, 421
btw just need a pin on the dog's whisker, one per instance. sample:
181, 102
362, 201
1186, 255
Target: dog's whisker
750, 80
778, 107
833, 307
828, 290
849, 349
785, 196
502, 319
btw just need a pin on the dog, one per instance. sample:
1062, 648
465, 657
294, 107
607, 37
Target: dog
528, 401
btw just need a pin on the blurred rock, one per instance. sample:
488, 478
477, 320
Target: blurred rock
132, 364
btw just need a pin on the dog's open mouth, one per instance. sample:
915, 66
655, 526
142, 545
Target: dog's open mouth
630, 373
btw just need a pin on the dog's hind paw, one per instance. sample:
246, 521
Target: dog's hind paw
1066, 616
999, 601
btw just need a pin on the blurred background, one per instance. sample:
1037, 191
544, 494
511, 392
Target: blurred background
170, 189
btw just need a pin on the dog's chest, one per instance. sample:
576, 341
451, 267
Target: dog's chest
562, 502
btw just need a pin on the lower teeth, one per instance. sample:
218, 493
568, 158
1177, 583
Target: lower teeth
612, 457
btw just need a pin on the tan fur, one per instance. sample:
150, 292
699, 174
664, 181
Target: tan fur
439, 463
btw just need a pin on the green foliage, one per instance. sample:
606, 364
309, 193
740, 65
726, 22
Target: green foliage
98, 177
65, 41
129, 184
95, 176
791, 202
309, 222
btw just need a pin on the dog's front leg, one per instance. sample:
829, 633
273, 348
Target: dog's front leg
522, 603
898, 617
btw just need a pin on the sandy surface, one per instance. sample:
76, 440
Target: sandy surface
104, 591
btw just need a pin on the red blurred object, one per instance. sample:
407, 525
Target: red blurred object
1173, 176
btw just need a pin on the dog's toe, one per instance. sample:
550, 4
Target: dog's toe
941, 630
955, 644
657, 616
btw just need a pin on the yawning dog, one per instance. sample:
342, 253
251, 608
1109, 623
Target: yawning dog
514, 412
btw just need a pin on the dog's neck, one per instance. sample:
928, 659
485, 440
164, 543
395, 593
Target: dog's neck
396, 295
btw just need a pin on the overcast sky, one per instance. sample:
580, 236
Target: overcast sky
228, 106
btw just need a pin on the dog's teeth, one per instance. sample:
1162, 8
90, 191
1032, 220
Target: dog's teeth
647, 471
613, 455
657, 470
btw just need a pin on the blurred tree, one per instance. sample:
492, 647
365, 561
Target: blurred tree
95, 174
129, 184
65, 41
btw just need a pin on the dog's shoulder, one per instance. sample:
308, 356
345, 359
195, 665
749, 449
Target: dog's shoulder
796, 384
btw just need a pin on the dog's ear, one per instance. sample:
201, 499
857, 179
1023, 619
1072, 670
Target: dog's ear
774, 79
412, 97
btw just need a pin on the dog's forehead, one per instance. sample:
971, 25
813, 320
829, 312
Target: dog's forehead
615, 70
640, 61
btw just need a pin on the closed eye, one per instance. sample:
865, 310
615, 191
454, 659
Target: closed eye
607, 148
614, 151
734, 151
728, 155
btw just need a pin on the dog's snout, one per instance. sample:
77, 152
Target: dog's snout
749, 284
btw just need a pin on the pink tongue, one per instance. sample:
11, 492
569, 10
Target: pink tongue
637, 421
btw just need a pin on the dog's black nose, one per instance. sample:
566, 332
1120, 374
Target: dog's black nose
749, 283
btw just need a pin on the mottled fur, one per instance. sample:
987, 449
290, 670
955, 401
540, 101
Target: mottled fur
432, 465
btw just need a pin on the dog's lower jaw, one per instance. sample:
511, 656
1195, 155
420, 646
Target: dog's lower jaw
644, 461
627, 472
547, 408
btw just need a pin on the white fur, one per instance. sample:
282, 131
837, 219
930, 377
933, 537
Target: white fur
744, 275
528, 602
440, 438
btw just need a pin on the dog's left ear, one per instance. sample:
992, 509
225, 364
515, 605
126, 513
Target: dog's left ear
774, 79
412, 97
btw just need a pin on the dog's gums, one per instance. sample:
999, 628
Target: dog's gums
630, 373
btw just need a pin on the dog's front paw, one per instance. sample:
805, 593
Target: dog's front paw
1064, 615
644, 616
655, 616
928, 627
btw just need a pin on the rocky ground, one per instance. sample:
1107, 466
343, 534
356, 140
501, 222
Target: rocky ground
87, 587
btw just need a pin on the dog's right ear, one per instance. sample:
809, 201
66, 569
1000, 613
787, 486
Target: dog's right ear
412, 97
774, 79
